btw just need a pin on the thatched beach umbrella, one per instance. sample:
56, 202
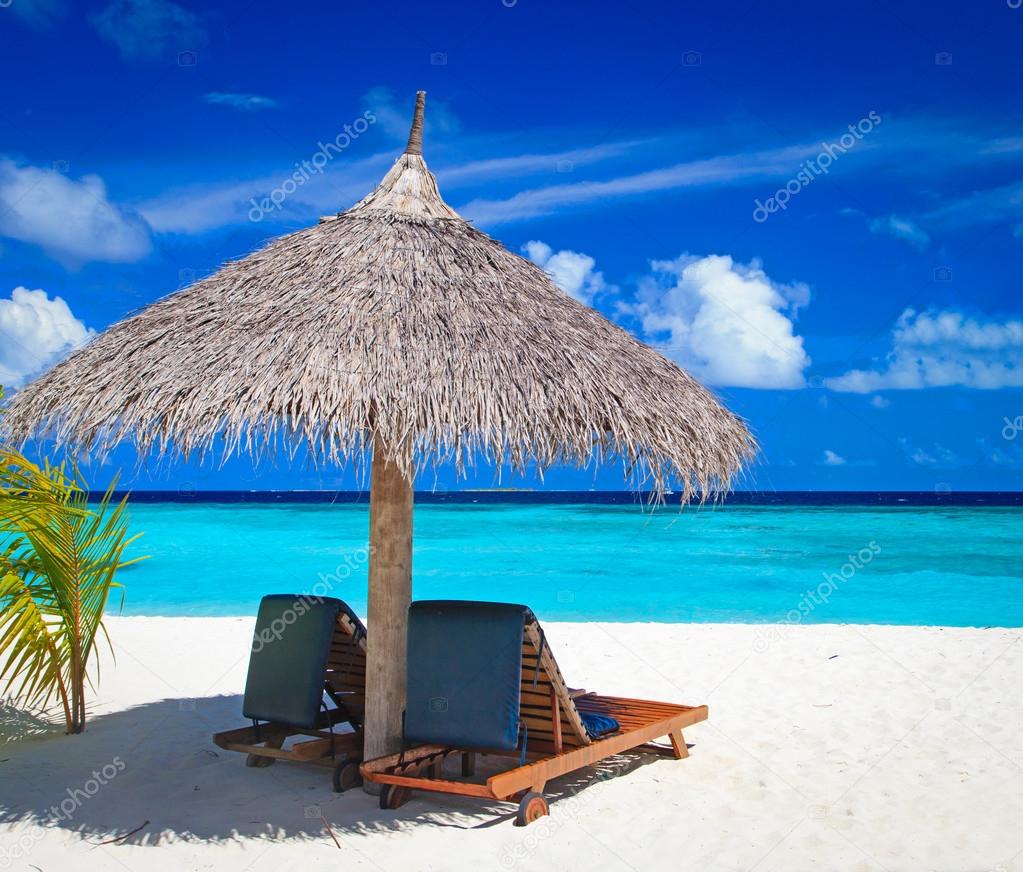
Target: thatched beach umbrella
399, 327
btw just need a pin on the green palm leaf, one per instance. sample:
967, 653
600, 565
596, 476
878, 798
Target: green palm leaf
59, 558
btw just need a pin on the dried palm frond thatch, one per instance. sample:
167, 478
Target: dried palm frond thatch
394, 323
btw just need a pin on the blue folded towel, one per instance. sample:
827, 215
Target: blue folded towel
598, 725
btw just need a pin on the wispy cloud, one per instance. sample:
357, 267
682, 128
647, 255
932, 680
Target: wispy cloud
991, 205
148, 29
901, 228
394, 116
939, 149
245, 102
731, 169
1003, 145
38, 14
202, 208
901, 146
566, 161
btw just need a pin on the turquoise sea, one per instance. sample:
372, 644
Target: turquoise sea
899, 564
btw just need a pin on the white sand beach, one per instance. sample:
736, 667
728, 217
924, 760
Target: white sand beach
827, 747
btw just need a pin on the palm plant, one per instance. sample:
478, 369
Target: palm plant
58, 562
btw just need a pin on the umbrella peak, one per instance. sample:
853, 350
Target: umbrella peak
409, 189
415, 134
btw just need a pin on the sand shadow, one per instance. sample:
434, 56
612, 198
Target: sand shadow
152, 773
17, 723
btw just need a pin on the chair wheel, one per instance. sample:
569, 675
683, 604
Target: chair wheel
255, 761
346, 776
532, 807
394, 796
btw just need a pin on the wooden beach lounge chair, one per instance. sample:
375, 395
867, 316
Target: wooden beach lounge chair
304, 648
481, 679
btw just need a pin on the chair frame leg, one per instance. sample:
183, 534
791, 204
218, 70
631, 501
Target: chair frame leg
678, 744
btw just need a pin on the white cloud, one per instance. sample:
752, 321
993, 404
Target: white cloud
943, 349
35, 332
901, 228
571, 271
72, 220
244, 102
143, 29
1011, 454
936, 455
879, 402
728, 323
830, 458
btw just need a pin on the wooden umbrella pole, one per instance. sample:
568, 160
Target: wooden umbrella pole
390, 593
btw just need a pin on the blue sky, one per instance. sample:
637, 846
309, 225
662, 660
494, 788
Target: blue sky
817, 210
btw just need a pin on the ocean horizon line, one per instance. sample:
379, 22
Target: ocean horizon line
525, 496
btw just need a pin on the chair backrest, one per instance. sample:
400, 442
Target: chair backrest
346, 664
547, 707
464, 673
288, 663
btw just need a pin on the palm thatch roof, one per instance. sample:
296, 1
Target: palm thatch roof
398, 323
